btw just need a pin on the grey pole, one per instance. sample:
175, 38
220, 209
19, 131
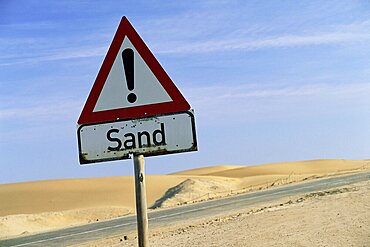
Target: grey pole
141, 207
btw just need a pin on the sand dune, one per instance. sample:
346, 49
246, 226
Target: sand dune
206, 170
196, 189
60, 195
283, 168
239, 179
44, 205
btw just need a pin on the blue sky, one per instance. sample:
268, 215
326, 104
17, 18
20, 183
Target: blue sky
269, 81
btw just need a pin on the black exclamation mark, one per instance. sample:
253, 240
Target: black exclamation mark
128, 64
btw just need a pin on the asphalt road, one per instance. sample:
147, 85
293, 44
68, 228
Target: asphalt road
167, 217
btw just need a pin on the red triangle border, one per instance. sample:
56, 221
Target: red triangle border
178, 104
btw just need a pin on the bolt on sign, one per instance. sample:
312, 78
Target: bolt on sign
133, 106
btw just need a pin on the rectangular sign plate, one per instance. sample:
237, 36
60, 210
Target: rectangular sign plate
150, 136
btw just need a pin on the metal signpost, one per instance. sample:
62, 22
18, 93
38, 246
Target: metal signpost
134, 109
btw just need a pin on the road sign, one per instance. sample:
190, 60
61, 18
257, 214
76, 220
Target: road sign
134, 108
131, 83
162, 134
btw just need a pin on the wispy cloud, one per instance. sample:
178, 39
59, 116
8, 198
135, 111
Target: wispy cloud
35, 42
249, 91
45, 110
207, 46
188, 33
27, 118
211, 99
355, 32
246, 101
56, 55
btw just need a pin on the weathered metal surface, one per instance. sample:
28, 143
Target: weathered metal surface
141, 205
163, 134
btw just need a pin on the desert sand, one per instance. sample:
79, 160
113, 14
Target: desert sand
338, 217
27, 208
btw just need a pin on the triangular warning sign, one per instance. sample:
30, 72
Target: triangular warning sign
131, 83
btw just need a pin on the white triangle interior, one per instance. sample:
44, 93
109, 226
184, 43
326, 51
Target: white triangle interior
146, 87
